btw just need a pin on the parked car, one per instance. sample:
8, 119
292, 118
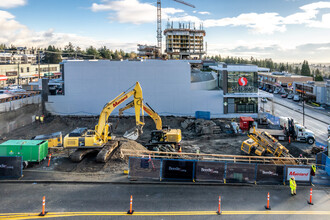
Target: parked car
267, 89
271, 91
290, 96
296, 98
263, 100
284, 95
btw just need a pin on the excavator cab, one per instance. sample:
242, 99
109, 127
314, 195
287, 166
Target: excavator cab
157, 136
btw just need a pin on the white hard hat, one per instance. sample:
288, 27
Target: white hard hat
292, 177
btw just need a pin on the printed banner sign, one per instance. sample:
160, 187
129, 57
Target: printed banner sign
11, 167
242, 173
299, 173
270, 173
178, 169
210, 171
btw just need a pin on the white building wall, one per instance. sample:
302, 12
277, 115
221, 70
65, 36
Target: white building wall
166, 86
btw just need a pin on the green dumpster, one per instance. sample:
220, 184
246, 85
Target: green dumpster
30, 150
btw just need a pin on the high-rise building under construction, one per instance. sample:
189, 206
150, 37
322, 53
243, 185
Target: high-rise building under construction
185, 42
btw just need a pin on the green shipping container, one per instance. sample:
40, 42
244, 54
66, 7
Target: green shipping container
30, 150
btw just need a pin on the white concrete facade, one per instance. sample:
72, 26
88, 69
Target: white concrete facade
166, 85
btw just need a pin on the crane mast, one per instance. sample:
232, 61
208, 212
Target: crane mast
159, 21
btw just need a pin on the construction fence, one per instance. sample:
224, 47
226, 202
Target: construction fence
216, 171
11, 167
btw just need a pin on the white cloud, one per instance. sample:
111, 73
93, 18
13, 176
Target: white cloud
133, 11
12, 3
12, 32
204, 13
266, 23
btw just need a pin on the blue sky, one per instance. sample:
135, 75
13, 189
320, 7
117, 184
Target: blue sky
284, 30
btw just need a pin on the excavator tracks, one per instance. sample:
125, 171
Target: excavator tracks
103, 155
79, 154
106, 152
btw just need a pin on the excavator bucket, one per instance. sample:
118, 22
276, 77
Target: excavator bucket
132, 134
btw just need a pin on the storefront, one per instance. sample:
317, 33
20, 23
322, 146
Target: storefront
240, 88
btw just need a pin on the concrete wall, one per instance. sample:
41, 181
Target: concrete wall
18, 118
16, 104
166, 86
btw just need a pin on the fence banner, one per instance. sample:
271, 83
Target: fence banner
268, 173
11, 167
210, 171
240, 173
327, 166
300, 173
178, 169
144, 168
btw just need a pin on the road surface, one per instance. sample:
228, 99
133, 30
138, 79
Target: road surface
314, 120
100, 201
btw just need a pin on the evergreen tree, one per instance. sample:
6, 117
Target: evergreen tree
305, 70
52, 55
318, 76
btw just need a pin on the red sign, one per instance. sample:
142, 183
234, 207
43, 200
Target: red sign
242, 81
120, 101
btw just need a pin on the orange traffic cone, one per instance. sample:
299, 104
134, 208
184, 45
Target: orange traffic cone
180, 150
130, 211
268, 207
43, 212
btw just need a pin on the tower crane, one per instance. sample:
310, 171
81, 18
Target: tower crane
159, 21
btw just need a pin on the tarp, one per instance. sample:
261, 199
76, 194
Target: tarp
268, 173
327, 166
240, 173
11, 167
178, 169
209, 171
144, 168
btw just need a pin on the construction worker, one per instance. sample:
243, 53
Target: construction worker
42, 118
37, 118
313, 170
293, 186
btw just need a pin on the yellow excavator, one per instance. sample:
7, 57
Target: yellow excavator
100, 139
163, 138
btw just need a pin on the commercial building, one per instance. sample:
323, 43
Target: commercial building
239, 84
25, 73
313, 91
280, 80
184, 42
148, 51
169, 86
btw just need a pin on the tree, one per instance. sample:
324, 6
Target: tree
297, 70
93, 52
305, 71
52, 55
69, 48
105, 53
318, 76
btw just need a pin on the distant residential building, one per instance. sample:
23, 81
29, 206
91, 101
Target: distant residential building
185, 42
148, 51
8, 58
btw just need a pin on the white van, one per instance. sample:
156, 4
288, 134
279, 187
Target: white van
296, 98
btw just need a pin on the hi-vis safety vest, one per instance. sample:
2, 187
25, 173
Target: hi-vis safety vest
292, 183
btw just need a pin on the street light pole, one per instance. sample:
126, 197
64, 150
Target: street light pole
303, 104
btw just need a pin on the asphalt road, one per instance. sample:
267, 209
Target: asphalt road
100, 201
315, 121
